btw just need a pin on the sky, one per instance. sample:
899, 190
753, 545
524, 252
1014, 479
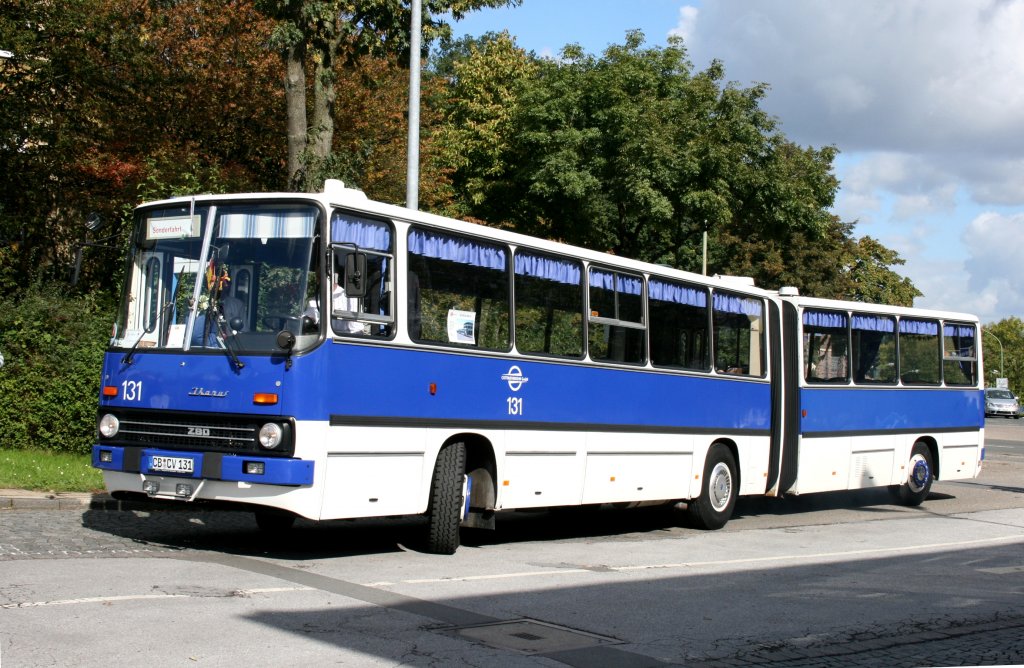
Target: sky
923, 98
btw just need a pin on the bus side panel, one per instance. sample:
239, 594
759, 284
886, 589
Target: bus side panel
874, 410
541, 469
570, 433
656, 467
855, 438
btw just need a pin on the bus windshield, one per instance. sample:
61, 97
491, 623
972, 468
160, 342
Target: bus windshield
227, 276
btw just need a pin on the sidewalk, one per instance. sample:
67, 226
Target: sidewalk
24, 499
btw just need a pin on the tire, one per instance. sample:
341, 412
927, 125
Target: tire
444, 510
920, 474
274, 521
713, 508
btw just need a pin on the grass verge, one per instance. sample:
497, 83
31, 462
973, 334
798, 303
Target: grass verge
48, 471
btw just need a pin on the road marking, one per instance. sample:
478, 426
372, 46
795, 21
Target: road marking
1002, 571
717, 562
91, 599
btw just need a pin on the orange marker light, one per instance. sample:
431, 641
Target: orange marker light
110, 390
264, 398
433, 389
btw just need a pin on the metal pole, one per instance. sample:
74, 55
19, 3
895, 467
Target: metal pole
704, 262
1002, 365
412, 172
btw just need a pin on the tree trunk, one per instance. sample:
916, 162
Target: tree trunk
295, 96
321, 135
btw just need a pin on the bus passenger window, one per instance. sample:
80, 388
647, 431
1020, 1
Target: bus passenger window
826, 347
463, 295
919, 352
679, 325
616, 328
959, 355
372, 313
874, 348
738, 334
549, 305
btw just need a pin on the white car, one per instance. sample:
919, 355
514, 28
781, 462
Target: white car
1001, 402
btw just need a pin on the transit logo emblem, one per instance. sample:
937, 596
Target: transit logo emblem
514, 378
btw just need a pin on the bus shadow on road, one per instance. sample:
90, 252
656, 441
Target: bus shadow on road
235, 532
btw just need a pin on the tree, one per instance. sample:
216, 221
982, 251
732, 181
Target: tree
110, 101
636, 154
1002, 345
312, 35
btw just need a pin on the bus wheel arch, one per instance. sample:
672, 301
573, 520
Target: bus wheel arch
719, 487
481, 470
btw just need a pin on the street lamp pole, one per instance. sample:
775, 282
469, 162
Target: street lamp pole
412, 171
1002, 364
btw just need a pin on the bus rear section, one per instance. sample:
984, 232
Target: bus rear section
882, 396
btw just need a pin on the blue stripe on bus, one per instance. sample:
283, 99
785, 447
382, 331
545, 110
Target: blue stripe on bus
867, 410
380, 382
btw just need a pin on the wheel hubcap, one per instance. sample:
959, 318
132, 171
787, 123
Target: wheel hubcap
919, 473
720, 487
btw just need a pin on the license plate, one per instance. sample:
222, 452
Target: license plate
171, 464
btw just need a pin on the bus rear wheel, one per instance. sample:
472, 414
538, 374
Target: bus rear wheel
444, 510
713, 508
919, 476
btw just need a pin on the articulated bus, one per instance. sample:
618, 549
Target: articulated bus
326, 356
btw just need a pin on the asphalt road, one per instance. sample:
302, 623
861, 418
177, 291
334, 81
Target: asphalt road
819, 580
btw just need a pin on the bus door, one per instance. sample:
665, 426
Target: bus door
785, 331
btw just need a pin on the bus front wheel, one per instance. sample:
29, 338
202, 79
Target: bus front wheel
919, 476
444, 510
713, 508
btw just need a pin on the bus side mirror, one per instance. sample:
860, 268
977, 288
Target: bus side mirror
355, 275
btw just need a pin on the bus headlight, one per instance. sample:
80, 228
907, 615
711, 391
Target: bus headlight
270, 435
109, 426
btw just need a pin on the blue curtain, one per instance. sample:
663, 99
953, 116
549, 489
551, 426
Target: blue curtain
676, 294
538, 266
456, 249
607, 280
733, 304
370, 234
925, 327
827, 319
874, 323
962, 331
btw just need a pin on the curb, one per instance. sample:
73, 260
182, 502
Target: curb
16, 499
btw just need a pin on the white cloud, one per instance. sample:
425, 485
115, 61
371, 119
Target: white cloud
924, 100
995, 246
878, 74
687, 22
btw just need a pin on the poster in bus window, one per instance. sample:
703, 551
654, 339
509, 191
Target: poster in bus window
461, 326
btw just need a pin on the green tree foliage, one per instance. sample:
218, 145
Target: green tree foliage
104, 98
53, 347
312, 37
1010, 333
637, 154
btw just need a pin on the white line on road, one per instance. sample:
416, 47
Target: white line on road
880, 551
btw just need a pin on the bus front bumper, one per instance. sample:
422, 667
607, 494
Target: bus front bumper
203, 465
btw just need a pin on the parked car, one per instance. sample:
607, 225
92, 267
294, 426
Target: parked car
1001, 402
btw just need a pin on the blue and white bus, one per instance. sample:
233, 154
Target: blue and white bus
327, 356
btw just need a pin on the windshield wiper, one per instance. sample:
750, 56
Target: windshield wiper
225, 335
